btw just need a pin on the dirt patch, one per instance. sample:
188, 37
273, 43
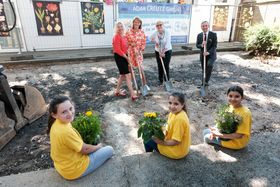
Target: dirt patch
91, 85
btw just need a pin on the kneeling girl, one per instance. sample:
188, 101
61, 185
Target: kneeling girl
177, 141
241, 137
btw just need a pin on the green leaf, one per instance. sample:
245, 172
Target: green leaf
139, 132
39, 16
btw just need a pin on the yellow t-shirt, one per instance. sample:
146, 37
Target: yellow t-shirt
178, 129
66, 144
243, 128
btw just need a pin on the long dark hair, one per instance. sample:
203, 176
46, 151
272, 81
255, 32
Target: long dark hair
236, 89
181, 98
53, 109
137, 18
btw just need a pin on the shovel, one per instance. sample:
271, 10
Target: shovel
133, 76
203, 88
167, 84
144, 88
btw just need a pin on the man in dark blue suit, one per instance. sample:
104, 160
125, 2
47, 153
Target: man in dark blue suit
210, 39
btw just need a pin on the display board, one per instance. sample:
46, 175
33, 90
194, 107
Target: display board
176, 18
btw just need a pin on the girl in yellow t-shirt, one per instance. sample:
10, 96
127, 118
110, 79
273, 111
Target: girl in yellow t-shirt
178, 137
71, 156
241, 137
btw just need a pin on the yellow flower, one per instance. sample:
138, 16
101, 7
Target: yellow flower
89, 113
96, 9
150, 114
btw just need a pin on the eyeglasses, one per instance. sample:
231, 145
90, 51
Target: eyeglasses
159, 25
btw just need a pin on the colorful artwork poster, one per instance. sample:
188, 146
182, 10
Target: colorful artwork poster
48, 18
220, 18
176, 18
3, 21
93, 18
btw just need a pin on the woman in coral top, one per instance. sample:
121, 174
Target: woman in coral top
120, 55
136, 44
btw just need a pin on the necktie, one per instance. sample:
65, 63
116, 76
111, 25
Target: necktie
204, 37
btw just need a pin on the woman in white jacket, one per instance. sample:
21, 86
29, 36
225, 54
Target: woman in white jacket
163, 49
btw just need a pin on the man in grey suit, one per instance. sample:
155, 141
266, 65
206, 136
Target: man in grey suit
210, 39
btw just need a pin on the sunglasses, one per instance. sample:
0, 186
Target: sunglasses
159, 25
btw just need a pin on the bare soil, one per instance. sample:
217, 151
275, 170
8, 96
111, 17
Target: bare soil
91, 85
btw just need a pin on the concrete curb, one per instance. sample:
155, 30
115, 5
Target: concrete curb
256, 165
74, 60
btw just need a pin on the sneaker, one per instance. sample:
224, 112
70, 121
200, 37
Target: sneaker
159, 83
199, 86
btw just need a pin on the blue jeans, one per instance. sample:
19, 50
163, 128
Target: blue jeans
97, 158
150, 146
206, 137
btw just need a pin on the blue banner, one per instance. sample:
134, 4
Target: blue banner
176, 18
153, 8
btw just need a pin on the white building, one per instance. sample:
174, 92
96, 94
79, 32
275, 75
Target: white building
220, 14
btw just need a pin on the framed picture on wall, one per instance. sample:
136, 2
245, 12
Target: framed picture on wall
3, 21
220, 18
93, 18
48, 18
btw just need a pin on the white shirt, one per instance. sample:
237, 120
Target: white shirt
206, 35
163, 39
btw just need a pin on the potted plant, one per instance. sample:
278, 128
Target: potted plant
151, 125
88, 124
226, 121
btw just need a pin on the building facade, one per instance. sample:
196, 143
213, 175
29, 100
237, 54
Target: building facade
76, 24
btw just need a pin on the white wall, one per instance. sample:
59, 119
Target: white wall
72, 37
203, 10
270, 14
200, 13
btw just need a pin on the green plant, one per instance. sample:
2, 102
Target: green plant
151, 125
39, 12
89, 126
262, 40
276, 44
227, 121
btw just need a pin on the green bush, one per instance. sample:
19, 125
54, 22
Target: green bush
276, 44
262, 40
89, 127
